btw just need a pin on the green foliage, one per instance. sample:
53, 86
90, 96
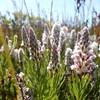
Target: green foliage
44, 85
8, 84
78, 87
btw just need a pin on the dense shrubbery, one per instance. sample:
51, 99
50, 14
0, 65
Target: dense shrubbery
42, 60
61, 65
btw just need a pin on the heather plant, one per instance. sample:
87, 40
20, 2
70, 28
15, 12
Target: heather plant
83, 55
34, 47
33, 69
82, 81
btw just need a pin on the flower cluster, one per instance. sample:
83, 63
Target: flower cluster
34, 47
45, 38
58, 39
54, 60
62, 38
83, 56
55, 32
25, 37
54, 40
30, 42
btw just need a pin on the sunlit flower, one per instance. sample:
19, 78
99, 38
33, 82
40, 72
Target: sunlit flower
45, 35
62, 37
54, 62
83, 56
55, 32
54, 59
34, 47
45, 38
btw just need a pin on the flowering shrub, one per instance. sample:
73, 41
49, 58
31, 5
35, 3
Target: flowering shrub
35, 69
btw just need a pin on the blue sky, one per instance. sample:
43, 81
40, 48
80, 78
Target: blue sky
65, 8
